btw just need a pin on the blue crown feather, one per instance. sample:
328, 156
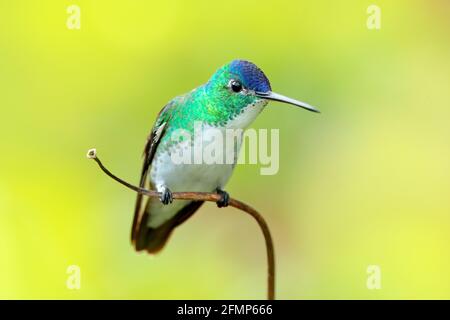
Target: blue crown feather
251, 76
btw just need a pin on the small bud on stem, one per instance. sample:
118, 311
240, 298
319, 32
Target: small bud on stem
92, 153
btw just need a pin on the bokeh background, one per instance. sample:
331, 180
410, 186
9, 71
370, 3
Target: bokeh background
367, 182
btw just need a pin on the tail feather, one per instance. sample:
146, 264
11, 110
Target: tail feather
153, 239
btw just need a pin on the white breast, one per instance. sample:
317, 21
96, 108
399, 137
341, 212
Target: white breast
244, 119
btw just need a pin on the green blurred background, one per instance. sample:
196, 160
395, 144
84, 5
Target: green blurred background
367, 182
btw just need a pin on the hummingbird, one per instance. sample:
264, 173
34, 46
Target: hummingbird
231, 99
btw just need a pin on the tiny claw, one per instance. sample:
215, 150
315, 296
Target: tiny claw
224, 198
92, 154
166, 196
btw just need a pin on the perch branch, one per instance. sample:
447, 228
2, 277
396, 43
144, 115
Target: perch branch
212, 197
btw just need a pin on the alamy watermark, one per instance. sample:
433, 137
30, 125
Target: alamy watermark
373, 277
73, 281
213, 145
74, 19
374, 18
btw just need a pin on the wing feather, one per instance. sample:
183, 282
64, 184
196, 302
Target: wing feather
151, 145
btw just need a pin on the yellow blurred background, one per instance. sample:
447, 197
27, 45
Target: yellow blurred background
367, 182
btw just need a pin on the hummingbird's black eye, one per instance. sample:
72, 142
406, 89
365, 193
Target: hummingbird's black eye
236, 86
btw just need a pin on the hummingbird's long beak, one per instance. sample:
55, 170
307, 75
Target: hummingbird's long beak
278, 97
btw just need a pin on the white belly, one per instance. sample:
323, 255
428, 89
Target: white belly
183, 177
188, 177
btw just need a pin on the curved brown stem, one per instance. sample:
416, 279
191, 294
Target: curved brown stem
213, 197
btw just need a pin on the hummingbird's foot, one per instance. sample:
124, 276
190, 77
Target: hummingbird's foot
166, 196
224, 198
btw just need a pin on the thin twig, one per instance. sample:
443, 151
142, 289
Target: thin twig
213, 197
